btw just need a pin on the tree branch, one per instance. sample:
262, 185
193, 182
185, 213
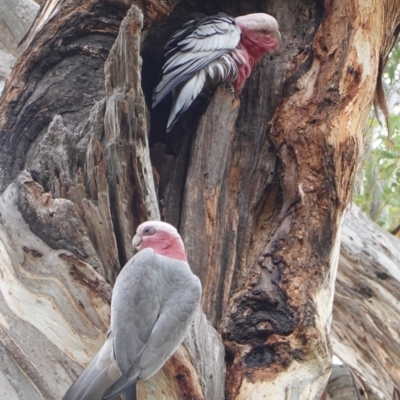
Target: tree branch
365, 329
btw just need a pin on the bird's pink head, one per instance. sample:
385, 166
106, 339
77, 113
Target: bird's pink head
163, 238
260, 34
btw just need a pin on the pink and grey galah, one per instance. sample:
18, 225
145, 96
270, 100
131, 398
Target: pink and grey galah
153, 304
219, 48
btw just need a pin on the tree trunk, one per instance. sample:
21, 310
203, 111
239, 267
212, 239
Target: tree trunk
15, 19
343, 385
257, 187
366, 325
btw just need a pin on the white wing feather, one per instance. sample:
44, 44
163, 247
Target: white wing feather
190, 50
185, 96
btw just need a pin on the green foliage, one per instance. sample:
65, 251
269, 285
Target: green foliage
392, 73
377, 190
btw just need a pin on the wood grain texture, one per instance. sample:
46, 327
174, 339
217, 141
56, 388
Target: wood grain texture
257, 186
103, 165
49, 308
366, 325
36, 88
85, 189
344, 386
263, 210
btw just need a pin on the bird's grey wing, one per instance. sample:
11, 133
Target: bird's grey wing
131, 393
171, 327
135, 307
193, 47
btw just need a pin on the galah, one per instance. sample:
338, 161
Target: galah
219, 48
153, 304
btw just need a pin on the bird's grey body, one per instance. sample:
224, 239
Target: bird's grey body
153, 303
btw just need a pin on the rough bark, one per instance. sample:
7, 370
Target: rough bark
366, 325
343, 385
67, 224
54, 305
257, 186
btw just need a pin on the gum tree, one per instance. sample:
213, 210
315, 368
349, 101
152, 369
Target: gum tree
257, 185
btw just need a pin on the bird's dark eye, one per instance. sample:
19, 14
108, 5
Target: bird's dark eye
148, 231
264, 31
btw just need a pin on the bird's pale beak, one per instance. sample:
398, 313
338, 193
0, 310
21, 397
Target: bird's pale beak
136, 242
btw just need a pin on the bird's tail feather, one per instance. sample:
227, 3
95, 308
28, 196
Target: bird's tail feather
130, 393
122, 385
91, 384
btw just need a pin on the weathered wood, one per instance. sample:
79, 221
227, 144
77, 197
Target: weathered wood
263, 203
257, 186
366, 324
92, 185
55, 309
103, 165
230, 180
207, 204
53, 303
60, 72
344, 386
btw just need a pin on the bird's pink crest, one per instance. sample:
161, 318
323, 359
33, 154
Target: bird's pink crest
259, 35
163, 238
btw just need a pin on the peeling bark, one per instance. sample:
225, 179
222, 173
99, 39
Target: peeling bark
269, 214
257, 186
84, 190
54, 306
343, 386
366, 325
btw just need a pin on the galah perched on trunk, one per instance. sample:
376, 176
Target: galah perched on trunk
222, 48
153, 304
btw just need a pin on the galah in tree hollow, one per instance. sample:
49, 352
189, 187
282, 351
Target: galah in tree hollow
153, 304
219, 48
